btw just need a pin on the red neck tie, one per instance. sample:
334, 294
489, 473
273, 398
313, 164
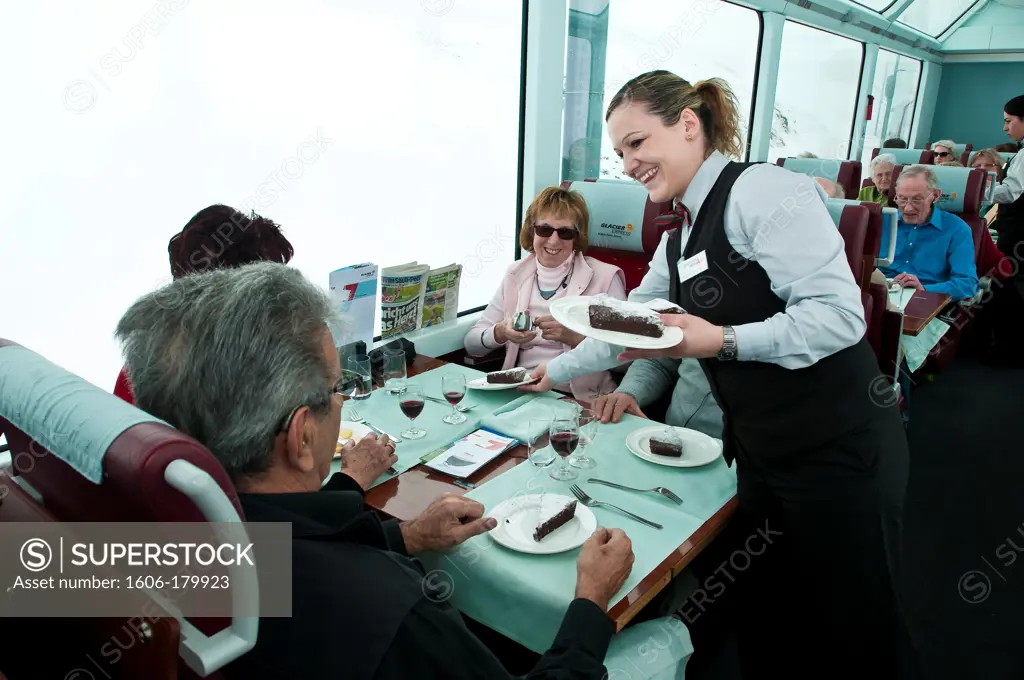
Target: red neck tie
679, 217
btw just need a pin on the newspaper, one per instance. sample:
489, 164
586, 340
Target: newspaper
414, 296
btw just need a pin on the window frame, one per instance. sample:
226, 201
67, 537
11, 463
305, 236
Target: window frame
937, 36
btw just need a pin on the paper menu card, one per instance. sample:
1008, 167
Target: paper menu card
467, 455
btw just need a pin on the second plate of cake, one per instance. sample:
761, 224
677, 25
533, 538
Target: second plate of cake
542, 523
697, 448
574, 313
502, 380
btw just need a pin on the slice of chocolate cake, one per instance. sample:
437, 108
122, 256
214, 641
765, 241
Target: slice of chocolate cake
666, 446
560, 518
610, 314
511, 376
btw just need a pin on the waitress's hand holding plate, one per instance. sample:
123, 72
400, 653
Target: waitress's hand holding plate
544, 383
701, 340
368, 459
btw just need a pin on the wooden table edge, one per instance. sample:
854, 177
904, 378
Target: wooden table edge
913, 325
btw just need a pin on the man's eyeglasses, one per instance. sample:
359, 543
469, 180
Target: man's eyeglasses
564, 233
337, 390
916, 201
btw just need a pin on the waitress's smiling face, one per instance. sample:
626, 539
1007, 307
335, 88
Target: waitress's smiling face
662, 158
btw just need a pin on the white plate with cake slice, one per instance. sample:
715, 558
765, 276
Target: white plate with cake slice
520, 517
502, 380
697, 448
574, 313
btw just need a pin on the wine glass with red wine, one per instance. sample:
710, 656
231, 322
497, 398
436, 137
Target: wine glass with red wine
411, 403
453, 386
564, 438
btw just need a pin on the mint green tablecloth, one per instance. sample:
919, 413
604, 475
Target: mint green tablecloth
524, 596
521, 418
383, 411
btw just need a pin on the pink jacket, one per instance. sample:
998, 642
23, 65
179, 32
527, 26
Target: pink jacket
590, 277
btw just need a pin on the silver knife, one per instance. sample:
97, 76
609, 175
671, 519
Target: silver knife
381, 432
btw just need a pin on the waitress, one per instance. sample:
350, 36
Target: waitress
776, 321
1000, 322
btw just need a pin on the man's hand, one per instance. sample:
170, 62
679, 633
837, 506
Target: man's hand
604, 563
908, 281
552, 330
545, 383
610, 407
503, 332
701, 340
367, 460
446, 522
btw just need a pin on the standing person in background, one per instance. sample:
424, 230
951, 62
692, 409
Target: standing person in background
777, 324
1002, 316
218, 236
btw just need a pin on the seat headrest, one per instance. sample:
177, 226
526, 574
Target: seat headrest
1007, 156
908, 156
847, 173
68, 416
962, 188
621, 215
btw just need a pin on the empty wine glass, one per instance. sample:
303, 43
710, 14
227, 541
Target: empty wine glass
564, 436
411, 403
394, 370
540, 453
453, 386
588, 431
360, 383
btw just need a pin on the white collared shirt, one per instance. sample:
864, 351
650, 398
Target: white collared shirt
777, 218
1010, 189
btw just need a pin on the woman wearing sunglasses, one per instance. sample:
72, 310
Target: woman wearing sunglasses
944, 151
554, 232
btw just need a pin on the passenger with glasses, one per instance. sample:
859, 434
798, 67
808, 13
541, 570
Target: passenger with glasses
554, 232
934, 248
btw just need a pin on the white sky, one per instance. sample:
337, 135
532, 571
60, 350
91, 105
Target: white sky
419, 99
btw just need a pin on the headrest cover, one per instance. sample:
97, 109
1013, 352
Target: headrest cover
905, 156
954, 185
815, 167
70, 417
1006, 156
836, 208
616, 214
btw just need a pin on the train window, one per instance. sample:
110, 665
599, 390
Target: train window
620, 43
895, 93
877, 5
933, 17
816, 95
381, 132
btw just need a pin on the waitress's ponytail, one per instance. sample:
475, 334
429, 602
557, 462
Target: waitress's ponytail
720, 117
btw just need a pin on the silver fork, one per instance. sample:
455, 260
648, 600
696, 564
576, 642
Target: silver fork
667, 493
591, 503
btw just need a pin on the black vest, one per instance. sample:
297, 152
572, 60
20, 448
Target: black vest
769, 412
1009, 224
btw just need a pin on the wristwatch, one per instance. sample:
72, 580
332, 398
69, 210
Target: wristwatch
728, 351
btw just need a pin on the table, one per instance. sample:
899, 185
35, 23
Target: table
407, 495
922, 309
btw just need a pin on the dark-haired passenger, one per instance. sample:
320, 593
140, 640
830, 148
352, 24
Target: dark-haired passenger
219, 236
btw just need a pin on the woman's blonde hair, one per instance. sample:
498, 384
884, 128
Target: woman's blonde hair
993, 156
558, 203
666, 95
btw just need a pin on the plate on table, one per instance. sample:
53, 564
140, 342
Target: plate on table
698, 448
519, 516
572, 312
482, 384
355, 432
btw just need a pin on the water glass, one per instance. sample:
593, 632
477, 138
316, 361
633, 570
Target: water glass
564, 435
540, 453
411, 403
588, 423
394, 371
361, 376
453, 387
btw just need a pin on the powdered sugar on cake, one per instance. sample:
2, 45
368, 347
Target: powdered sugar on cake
626, 308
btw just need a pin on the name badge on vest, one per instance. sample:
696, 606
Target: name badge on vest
692, 266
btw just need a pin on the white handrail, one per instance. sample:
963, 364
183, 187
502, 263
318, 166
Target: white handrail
205, 654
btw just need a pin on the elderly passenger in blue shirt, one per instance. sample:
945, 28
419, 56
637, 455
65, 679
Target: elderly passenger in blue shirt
934, 248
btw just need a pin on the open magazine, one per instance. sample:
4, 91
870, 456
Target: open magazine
414, 296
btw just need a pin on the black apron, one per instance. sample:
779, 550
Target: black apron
821, 475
